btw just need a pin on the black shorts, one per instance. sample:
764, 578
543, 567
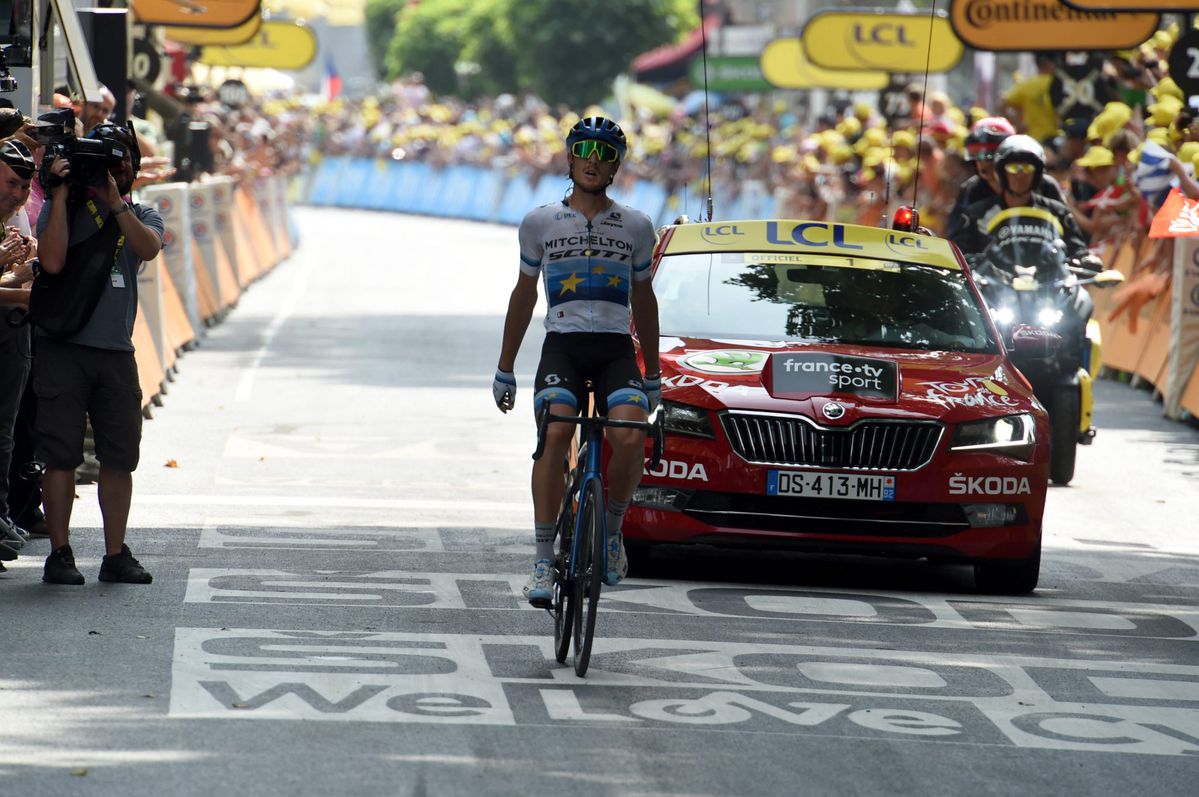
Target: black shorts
570, 359
72, 382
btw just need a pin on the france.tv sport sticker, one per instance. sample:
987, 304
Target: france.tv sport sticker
813, 372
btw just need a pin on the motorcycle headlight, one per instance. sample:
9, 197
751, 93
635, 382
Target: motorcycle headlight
1003, 315
1049, 316
685, 419
1012, 436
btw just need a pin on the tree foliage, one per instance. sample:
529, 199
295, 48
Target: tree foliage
380, 28
570, 52
564, 52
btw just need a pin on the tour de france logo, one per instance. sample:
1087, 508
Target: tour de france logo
725, 361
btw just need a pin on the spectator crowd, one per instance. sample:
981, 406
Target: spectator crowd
1096, 114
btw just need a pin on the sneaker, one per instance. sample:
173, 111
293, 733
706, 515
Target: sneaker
618, 561
9, 534
539, 591
60, 568
124, 568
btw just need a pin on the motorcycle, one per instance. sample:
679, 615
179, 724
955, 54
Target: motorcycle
1027, 281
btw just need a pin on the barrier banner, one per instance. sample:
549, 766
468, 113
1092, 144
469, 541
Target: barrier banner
277, 187
222, 214
203, 226
149, 373
150, 303
1184, 325
170, 200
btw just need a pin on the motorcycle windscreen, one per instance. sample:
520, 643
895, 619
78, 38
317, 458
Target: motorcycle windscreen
1028, 241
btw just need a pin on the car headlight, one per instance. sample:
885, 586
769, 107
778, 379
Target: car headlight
1003, 315
1049, 316
1012, 436
685, 419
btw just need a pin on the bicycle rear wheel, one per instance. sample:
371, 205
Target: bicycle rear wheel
588, 573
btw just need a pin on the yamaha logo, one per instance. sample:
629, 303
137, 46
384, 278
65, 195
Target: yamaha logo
833, 411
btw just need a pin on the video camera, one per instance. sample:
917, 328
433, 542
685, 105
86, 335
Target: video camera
90, 158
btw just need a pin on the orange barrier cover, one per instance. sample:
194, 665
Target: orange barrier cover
206, 292
230, 289
248, 266
258, 234
176, 327
1190, 397
149, 372
1157, 345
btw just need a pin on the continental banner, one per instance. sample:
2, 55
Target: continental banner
1022, 25
209, 14
865, 39
277, 45
1184, 325
1135, 5
785, 66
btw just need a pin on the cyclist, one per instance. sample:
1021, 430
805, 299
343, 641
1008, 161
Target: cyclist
594, 257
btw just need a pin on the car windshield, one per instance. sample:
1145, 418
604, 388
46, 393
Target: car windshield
765, 296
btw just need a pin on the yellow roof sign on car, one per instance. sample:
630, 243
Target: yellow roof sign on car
815, 237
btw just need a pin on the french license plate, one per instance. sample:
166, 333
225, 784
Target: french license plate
850, 486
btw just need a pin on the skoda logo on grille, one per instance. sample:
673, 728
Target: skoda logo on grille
833, 410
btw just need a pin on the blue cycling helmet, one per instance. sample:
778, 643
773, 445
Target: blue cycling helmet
597, 128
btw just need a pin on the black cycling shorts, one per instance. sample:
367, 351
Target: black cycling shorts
607, 360
73, 383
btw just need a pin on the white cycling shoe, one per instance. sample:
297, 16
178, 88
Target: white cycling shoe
540, 589
618, 561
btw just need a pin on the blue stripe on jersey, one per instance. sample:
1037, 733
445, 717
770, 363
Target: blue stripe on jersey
528, 261
555, 395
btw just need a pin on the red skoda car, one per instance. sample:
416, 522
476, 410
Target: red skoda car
833, 387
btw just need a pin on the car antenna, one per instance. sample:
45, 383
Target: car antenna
703, 36
928, 54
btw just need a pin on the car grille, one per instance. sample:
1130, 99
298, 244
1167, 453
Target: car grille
794, 515
867, 445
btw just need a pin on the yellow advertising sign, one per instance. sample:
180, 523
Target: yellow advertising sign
785, 66
277, 45
1021, 25
813, 238
1135, 5
223, 36
887, 41
197, 13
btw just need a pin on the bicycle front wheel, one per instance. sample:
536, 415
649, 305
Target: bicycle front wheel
562, 606
588, 573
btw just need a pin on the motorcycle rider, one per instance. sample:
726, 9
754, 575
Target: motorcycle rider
1019, 167
982, 142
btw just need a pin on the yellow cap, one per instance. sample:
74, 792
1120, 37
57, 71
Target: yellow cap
1166, 87
1162, 113
1158, 135
903, 138
1096, 157
1188, 151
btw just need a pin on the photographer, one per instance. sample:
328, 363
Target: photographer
92, 372
16, 171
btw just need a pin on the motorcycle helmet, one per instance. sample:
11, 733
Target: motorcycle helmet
598, 128
122, 135
1019, 149
985, 136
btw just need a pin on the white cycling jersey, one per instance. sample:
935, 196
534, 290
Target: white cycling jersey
587, 267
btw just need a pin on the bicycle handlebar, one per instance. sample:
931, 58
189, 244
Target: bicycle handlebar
544, 419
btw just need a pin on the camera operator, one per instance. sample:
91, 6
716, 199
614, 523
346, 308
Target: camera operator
16, 248
92, 372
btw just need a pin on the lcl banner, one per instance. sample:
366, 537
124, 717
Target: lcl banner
277, 45
225, 37
208, 14
1022, 25
881, 40
785, 66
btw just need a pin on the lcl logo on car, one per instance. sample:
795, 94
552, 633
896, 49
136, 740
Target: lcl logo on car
720, 234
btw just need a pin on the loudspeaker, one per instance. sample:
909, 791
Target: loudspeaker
107, 34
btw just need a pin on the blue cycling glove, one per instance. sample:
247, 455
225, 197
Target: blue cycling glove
504, 390
653, 391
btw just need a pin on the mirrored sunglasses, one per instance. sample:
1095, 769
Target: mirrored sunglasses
584, 149
1020, 168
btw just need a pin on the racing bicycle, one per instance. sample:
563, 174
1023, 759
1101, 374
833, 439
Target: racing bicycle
582, 532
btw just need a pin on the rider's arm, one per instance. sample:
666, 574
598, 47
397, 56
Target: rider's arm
645, 318
516, 323
1072, 235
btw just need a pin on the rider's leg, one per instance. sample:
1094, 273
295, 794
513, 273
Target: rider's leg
547, 471
623, 475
